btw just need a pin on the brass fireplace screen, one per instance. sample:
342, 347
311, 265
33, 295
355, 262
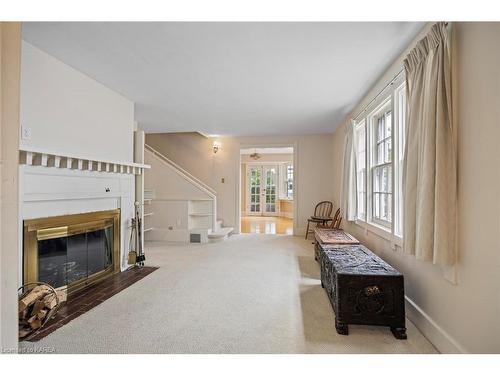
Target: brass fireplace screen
72, 251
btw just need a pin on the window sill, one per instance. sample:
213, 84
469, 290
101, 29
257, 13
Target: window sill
381, 232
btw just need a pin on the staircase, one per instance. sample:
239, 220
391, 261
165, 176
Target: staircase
221, 233
181, 207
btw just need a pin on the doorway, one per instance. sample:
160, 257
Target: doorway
266, 190
261, 193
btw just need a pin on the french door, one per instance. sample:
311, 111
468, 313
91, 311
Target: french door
262, 190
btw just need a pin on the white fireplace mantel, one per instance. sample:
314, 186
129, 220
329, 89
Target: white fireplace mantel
46, 191
46, 158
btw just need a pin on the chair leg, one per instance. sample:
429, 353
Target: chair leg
307, 230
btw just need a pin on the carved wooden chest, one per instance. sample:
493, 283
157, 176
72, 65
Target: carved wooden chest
362, 288
331, 237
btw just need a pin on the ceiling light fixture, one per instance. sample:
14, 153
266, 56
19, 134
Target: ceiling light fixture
255, 155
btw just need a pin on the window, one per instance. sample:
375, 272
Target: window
379, 140
360, 136
286, 180
381, 166
289, 181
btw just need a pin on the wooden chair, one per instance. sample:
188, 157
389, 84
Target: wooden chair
337, 219
321, 216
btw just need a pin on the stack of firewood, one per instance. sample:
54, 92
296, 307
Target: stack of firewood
36, 307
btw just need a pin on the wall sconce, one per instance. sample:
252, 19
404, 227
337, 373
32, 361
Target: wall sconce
216, 146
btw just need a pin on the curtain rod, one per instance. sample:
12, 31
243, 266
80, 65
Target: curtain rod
391, 82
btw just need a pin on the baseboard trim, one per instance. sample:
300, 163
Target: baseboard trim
299, 231
168, 235
443, 342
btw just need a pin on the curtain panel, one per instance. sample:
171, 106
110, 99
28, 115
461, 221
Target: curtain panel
348, 192
430, 162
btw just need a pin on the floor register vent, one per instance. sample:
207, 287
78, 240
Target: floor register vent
195, 238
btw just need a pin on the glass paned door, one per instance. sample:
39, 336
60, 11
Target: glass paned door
254, 176
262, 190
270, 193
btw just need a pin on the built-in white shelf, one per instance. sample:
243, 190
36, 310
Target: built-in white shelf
147, 201
46, 158
148, 214
200, 214
149, 194
148, 229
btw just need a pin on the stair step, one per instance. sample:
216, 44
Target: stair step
218, 225
221, 233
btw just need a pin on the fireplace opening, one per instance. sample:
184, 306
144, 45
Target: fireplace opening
71, 251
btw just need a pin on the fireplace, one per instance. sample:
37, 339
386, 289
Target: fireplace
72, 251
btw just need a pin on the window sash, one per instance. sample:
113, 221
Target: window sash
379, 194
288, 181
379, 158
382, 208
360, 139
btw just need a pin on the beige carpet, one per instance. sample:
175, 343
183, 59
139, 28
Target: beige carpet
250, 294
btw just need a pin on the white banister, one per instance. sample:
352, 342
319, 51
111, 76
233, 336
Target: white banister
190, 178
182, 171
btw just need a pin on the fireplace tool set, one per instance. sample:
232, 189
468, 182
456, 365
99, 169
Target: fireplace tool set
136, 252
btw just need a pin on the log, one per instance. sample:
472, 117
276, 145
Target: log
35, 323
42, 314
23, 315
36, 293
37, 307
50, 300
63, 295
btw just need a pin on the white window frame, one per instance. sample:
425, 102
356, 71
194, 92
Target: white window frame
389, 98
283, 180
373, 117
398, 156
288, 180
358, 128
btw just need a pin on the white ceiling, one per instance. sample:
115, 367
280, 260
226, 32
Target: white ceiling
231, 78
267, 150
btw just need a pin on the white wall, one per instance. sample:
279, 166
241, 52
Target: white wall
170, 205
69, 112
10, 53
462, 317
313, 173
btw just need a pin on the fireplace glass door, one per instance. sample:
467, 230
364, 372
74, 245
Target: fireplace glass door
65, 260
71, 251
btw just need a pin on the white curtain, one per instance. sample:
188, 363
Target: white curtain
348, 188
430, 167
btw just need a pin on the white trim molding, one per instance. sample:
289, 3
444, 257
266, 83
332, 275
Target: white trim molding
443, 342
39, 157
238, 162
